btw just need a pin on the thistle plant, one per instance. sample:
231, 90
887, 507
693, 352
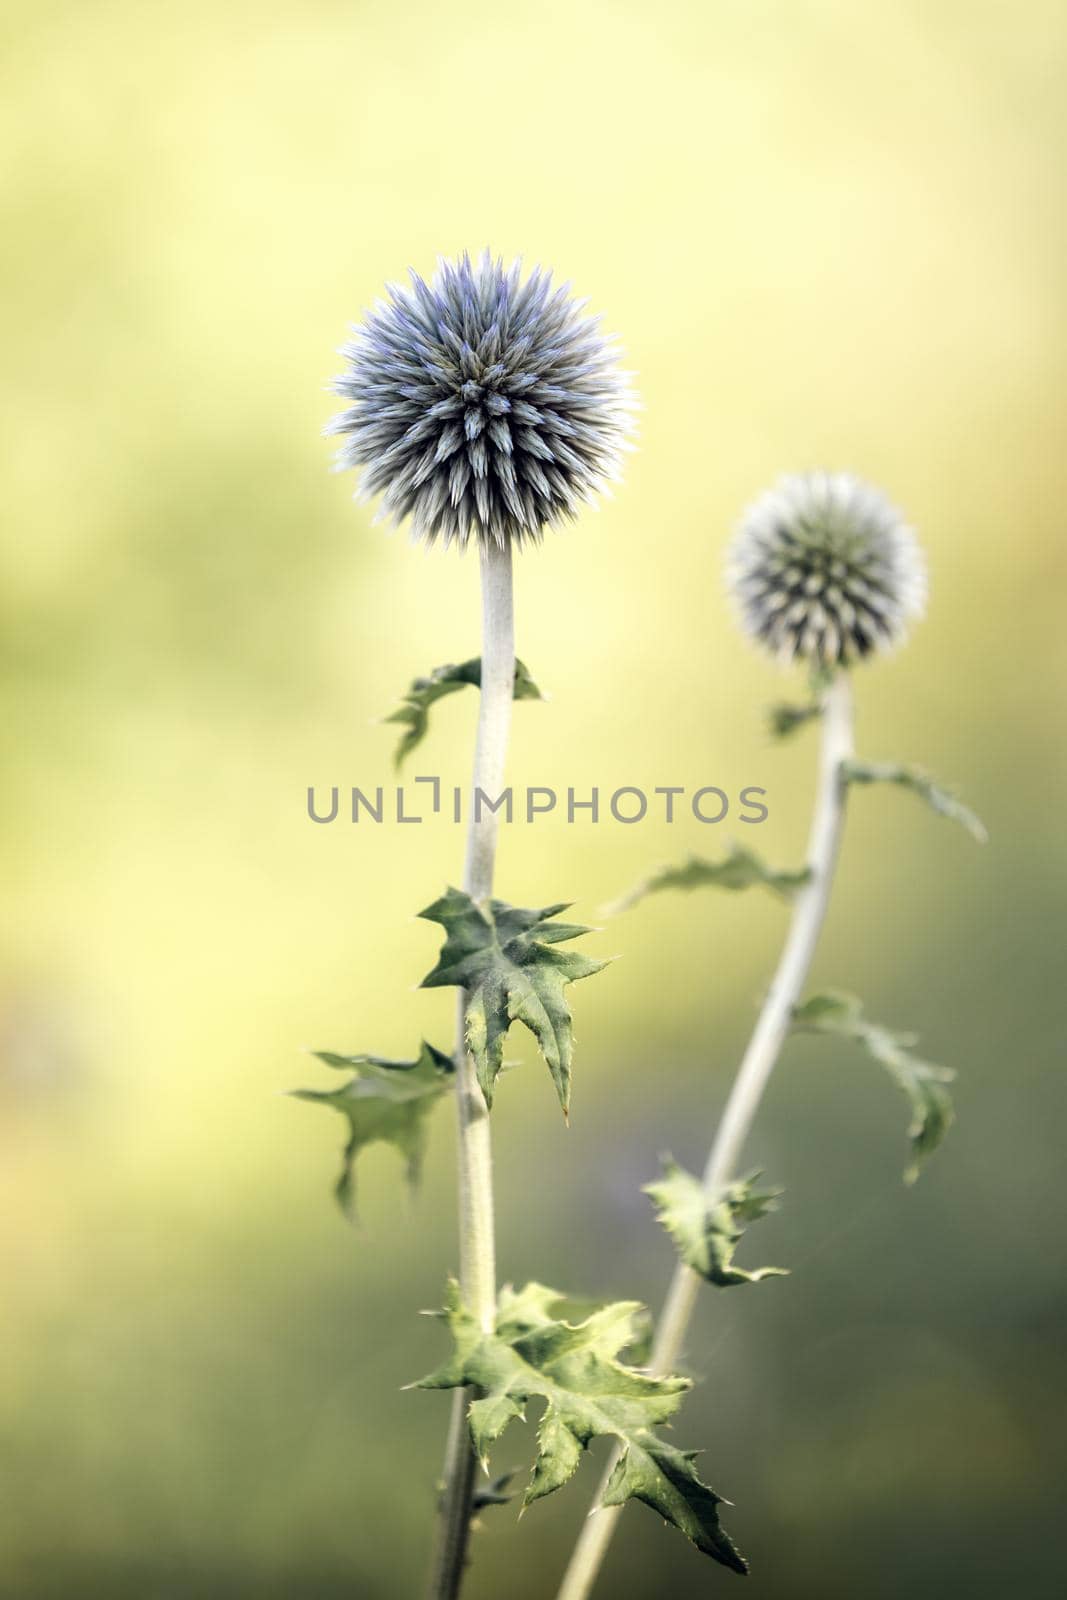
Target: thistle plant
824, 572
485, 407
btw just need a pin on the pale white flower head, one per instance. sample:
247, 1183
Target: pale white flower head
825, 570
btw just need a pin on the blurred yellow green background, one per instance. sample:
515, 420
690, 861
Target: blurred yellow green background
829, 234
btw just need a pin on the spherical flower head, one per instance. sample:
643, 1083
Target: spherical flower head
825, 569
482, 405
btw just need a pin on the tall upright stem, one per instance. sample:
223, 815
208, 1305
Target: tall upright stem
753, 1075
477, 1252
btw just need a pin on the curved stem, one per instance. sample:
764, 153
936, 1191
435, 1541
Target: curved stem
477, 1252
758, 1063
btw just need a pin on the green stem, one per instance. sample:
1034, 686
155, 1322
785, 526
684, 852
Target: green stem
753, 1075
477, 1253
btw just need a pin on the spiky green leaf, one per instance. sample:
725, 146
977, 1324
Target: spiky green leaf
413, 713
922, 1082
384, 1101
587, 1393
739, 869
943, 801
503, 957
706, 1230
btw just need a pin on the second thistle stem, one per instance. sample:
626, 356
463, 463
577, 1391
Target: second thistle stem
759, 1061
477, 1250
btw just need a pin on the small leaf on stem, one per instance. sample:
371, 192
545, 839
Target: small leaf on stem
922, 1082
706, 1229
785, 720
943, 801
413, 713
384, 1101
494, 1493
739, 869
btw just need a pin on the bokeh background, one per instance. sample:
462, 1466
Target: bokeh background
828, 234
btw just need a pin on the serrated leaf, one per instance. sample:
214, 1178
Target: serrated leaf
739, 869
413, 713
503, 957
943, 801
922, 1082
707, 1231
587, 1393
384, 1101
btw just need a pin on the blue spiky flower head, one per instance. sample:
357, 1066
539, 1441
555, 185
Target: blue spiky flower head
824, 569
482, 405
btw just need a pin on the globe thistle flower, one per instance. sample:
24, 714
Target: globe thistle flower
481, 405
825, 569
